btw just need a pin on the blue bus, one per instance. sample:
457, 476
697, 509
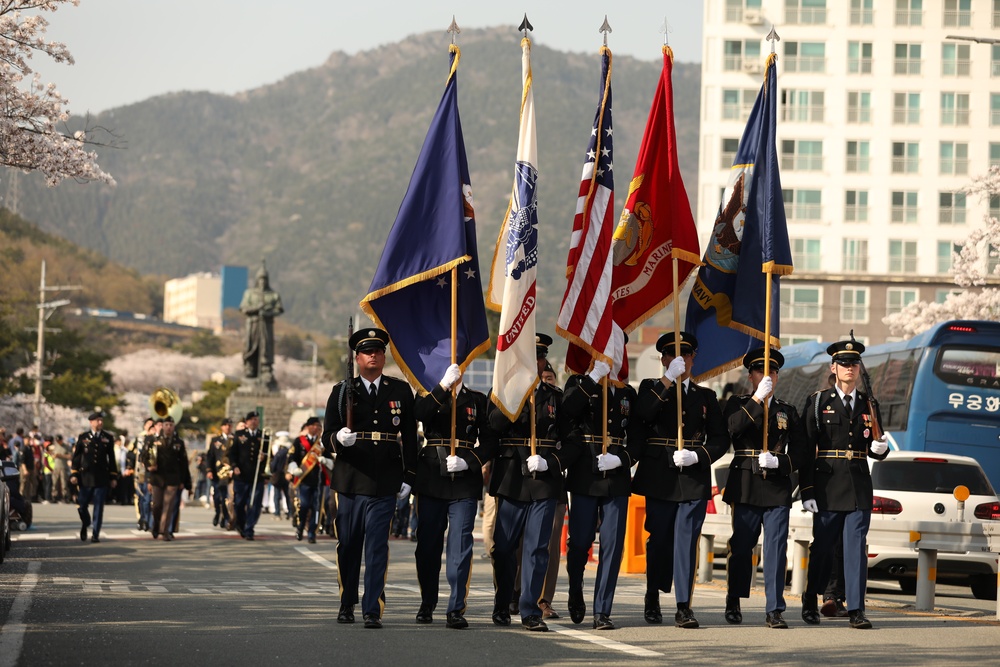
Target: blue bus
938, 391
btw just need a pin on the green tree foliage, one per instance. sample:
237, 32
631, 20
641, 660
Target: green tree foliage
211, 409
202, 344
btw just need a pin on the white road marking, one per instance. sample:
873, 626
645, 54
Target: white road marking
603, 642
12, 633
312, 555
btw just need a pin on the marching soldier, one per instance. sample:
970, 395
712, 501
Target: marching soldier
309, 463
598, 484
448, 489
247, 459
376, 463
220, 472
528, 487
676, 481
143, 499
94, 470
837, 489
760, 487
168, 472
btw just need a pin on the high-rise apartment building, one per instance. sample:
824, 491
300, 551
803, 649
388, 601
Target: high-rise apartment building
194, 300
883, 121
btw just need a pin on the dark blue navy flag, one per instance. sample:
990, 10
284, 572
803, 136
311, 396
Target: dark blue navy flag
726, 311
435, 231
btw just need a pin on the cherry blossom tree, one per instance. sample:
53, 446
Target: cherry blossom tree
33, 133
976, 269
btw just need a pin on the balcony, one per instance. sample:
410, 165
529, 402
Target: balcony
805, 212
956, 68
951, 216
904, 116
863, 17
806, 15
805, 64
909, 17
859, 115
957, 19
902, 265
955, 166
803, 114
906, 215
907, 66
855, 263
858, 164
855, 213
802, 162
859, 65
955, 117
905, 165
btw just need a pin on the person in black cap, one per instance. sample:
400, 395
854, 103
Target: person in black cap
759, 488
247, 459
167, 467
676, 477
220, 471
376, 448
94, 469
309, 465
837, 489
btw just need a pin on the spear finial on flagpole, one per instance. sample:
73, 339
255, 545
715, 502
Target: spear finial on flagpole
772, 37
605, 28
525, 25
453, 29
666, 28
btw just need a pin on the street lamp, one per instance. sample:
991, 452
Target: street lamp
314, 361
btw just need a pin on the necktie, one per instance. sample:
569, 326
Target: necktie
847, 402
372, 391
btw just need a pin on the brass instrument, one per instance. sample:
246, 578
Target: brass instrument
225, 472
264, 453
164, 403
309, 461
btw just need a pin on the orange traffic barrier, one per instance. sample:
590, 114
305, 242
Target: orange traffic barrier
634, 556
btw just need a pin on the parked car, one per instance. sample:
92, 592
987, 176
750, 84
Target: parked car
8, 475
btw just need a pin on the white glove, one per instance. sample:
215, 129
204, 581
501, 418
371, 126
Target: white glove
880, 446
456, 464
451, 376
537, 464
404, 491
606, 462
685, 457
767, 459
328, 462
810, 506
346, 437
764, 389
676, 369
600, 370
294, 469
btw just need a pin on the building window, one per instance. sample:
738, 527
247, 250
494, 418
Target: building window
740, 11
995, 206
994, 109
954, 158
742, 56
856, 206
992, 260
995, 60
737, 103
801, 304
902, 256
994, 154
805, 57
801, 155
906, 108
946, 251
954, 108
907, 59
941, 295
898, 298
955, 60
996, 14
806, 205
804, 106
862, 12
855, 255
858, 157
859, 57
957, 13
951, 208
728, 156
807, 12
854, 305
859, 106
905, 157
904, 207
805, 254
909, 12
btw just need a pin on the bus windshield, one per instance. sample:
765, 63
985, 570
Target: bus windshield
968, 366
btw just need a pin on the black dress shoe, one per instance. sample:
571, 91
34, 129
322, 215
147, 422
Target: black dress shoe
534, 623
248, 537
456, 621
215, 520
346, 614
684, 618
169, 537
95, 539
373, 622
603, 622
652, 609
774, 620
733, 614
858, 620
312, 539
577, 607
83, 534
424, 615
501, 616
833, 609
298, 535
810, 614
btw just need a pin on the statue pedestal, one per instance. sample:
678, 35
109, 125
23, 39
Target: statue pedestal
275, 409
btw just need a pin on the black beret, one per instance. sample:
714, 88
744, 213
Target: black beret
368, 339
754, 360
226, 420
96, 414
311, 421
667, 341
251, 415
846, 350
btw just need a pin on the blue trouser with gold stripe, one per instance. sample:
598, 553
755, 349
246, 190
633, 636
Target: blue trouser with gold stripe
584, 513
533, 521
673, 529
363, 523
433, 516
747, 523
827, 525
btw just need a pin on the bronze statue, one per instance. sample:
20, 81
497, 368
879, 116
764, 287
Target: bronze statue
261, 305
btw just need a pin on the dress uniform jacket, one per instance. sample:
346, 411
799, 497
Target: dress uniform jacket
245, 454
704, 432
300, 448
582, 407
171, 461
377, 464
510, 478
218, 454
838, 483
433, 410
93, 461
745, 419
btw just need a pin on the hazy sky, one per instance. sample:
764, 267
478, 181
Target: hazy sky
129, 50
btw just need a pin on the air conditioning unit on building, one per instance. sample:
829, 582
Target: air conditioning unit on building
752, 67
752, 17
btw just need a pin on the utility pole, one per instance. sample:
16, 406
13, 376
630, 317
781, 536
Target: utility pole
314, 361
45, 310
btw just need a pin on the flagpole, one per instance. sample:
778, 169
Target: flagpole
531, 441
677, 354
767, 352
454, 351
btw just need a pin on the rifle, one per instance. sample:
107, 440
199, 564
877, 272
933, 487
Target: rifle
866, 384
349, 383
